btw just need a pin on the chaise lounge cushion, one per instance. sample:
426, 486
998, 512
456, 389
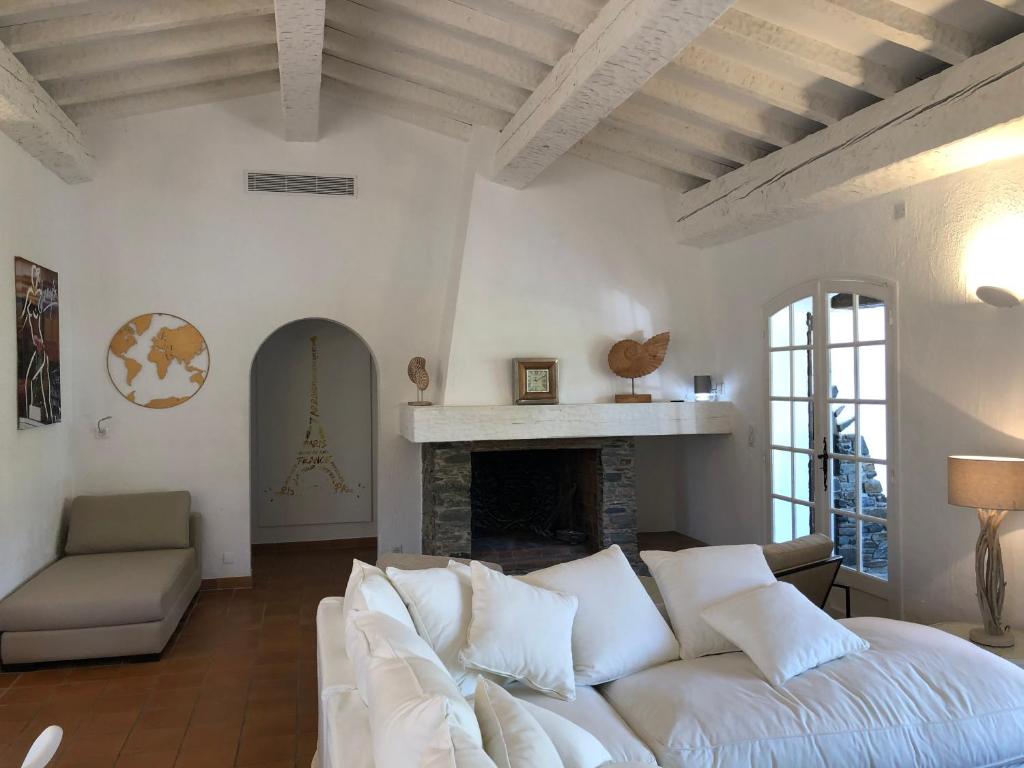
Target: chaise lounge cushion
100, 590
128, 523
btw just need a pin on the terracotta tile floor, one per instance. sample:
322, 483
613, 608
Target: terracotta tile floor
236, 686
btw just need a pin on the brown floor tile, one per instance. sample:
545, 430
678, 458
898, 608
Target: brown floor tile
147, 760
154, 739
257, 750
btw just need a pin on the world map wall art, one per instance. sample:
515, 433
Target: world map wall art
38, 341
158, 360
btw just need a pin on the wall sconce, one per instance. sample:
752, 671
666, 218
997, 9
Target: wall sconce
995, 261
1003, 298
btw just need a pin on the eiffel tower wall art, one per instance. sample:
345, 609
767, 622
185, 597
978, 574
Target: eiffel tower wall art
312, 422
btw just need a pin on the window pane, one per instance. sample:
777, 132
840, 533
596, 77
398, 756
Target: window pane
840, 318
779, 328
875, 549
872, 431
782, 473
803, 520
870, 319
802, 322
803, 474
802, 372
874, 490
782, 520
803, 426
782, 431
844, 533
780, 374
840, 370
843, 485
842, 429
872, 372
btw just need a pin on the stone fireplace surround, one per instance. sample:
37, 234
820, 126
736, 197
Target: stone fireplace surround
447, 495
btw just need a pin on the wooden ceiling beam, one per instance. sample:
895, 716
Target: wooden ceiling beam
901, 25
656, 153
965, 116
19, 7
630, 166
146, 16
300, 48
570, 15
418, 37
87, 59
175, 98
626, 44
809, 54
400, 110
486, 90
156, 77
32, 119
1016, 6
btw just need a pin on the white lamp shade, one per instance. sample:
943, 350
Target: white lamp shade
986, 482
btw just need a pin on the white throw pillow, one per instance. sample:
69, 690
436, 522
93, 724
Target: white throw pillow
440, 601
512, 736
692, 579
782, 632
618, 629
576, 746
376, 593
360, 571
521, 632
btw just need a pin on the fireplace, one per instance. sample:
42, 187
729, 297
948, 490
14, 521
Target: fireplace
527, 504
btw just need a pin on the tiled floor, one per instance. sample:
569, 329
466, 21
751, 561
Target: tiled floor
235, 687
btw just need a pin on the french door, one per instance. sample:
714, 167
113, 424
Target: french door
832, 423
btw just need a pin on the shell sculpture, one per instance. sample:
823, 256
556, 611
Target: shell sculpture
632, 359
418, 375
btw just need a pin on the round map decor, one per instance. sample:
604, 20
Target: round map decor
158, 361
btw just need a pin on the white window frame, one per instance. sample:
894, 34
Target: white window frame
819, 290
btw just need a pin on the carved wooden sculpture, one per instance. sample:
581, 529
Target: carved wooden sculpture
418, 375
632, 359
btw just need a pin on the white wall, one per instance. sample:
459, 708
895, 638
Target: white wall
39, 221
960, 381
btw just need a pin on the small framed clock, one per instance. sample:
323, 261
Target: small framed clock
536, 381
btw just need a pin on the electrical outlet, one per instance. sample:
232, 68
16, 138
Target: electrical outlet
397, 550
228, 558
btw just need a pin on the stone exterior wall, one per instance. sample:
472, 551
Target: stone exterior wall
875, 538
447, 488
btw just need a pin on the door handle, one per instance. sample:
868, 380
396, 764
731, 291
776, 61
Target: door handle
824, 456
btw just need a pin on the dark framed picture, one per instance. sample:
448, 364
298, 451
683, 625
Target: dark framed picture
537, 381
37, 311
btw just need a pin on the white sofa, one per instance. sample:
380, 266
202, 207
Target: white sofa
917, 697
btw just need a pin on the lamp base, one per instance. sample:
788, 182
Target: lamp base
981, 637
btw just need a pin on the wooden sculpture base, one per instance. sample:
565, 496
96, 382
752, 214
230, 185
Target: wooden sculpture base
632, 398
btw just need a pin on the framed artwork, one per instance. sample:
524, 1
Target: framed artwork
37, 310
537, 381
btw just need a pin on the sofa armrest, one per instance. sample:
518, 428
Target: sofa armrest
408, 562
195, 529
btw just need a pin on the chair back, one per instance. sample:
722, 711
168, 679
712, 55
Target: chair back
44, 748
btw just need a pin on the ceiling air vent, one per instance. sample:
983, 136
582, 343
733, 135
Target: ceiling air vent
301, 184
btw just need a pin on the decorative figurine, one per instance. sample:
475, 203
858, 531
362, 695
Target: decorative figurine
418, 375
632, 359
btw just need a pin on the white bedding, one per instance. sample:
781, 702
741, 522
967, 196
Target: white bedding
917, 697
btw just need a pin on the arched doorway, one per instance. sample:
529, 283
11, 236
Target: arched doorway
313, 426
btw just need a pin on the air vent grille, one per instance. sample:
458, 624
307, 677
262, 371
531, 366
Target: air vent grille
301, 184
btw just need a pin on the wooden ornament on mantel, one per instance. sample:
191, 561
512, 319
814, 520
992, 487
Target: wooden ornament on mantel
418, 375
632, 359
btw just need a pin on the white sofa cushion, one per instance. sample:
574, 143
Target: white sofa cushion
521, 632
591, 712
346, 742
917, 696
512, 736
576, 747
360, 571
440, 601
618, 629
692, 579
782, 632
376, 593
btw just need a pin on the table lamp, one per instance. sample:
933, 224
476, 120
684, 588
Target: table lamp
993, 486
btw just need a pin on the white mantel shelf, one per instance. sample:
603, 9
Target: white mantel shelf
466, 423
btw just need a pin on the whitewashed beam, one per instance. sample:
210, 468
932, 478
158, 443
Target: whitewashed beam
419, 37
400, 110
147, 16
300, 46
630, 166
458, 82
628, 42
532, 42
175, 98
724, 72
156, 77
413, 93
656, 153
808, 54
31, 118
727, 113
98, 57
969, 114
669, 129
1017, 6
897, 23
18, 7
570, 15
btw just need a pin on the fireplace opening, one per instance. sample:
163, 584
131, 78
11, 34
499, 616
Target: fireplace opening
534, 508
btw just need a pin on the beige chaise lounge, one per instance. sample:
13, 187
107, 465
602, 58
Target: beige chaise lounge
129, 570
